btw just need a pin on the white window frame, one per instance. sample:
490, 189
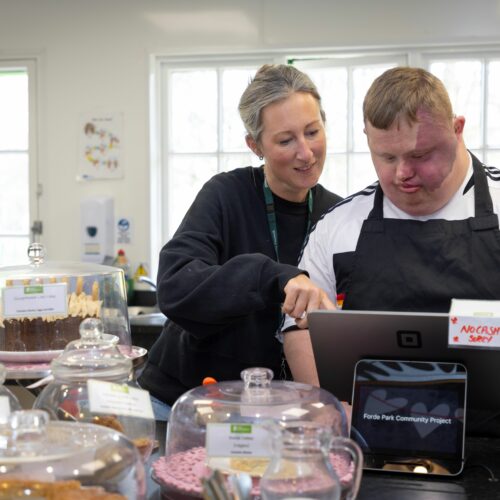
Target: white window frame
412, 55
31, 65
483, 54
159, 120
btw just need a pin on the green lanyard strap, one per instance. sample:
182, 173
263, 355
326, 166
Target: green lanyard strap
271, 215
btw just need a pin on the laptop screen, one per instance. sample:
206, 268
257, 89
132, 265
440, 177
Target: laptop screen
409, 415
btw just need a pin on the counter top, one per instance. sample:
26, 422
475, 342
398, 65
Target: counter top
480, 479
153, 320
146, 328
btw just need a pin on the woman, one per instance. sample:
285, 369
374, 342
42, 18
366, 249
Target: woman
232, 262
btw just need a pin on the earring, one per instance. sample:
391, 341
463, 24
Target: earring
261, 157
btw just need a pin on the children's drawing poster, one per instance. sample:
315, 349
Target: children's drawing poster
100, 146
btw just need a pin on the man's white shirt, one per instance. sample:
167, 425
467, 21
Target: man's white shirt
339, 229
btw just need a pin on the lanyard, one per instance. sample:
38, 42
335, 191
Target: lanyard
271, 215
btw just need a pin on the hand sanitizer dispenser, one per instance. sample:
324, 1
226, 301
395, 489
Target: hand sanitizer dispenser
97, 220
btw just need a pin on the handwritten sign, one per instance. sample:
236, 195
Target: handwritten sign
474, 323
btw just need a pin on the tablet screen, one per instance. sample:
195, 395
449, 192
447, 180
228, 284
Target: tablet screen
409, 416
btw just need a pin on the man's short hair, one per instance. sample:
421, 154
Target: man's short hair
400, 93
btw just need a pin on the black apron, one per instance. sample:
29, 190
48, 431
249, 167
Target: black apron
410, 265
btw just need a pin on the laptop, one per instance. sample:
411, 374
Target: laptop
341, 338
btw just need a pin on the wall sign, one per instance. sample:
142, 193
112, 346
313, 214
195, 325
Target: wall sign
100, 146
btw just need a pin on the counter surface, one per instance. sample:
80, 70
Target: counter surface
480, 479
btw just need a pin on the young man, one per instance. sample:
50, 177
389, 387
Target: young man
425, 233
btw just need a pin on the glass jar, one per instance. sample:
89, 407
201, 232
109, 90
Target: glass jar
225, 426
8, 403
93, 383
45, 459
44, 302
310, 463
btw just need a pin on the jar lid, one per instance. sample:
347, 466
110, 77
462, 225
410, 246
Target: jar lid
91, 356
257, 387
43, 448
38, 266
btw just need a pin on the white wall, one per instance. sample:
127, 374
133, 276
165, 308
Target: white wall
94, 56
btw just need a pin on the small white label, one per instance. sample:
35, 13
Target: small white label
119, 399
474, 323
238, 440
36, 300
4, 409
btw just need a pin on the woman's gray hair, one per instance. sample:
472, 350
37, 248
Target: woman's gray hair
272, 83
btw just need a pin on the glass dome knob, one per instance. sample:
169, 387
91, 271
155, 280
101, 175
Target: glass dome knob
28, 430
36, 253
257, 377
91, 329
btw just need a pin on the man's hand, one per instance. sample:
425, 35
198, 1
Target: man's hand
302, 296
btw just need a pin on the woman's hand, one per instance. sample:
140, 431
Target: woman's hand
302, 296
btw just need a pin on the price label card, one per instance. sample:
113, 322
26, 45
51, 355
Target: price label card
237, 440
474, 323
119, 399
35, 300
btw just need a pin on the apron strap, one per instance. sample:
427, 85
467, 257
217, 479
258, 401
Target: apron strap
374, 222
484, 218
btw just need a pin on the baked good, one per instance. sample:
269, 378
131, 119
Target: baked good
144, 445
58, 490
48, 333
253, 466
109, 421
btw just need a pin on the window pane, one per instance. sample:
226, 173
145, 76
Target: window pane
361, 172
234, 82
193, 105
362, 78
493, 126
493, 158
334, 176
332, 87
14, 111
186, 175
13, 250
463, 80
231, 161
14, 201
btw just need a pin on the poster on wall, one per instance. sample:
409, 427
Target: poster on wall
100, 146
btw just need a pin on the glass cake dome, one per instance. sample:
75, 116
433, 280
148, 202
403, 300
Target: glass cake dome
229, 426
44, 302
92, 382
59, 460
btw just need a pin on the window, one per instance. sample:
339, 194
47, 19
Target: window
16, 208
342, 84
197, 131
203, 133
473, 83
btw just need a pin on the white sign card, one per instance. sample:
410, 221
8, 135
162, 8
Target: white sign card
238, 440
35, 300
474, 323
119, 399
